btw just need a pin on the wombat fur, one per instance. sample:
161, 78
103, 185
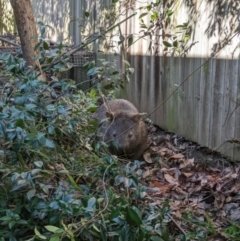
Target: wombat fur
122, 128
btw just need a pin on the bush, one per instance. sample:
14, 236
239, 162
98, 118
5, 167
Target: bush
56, 183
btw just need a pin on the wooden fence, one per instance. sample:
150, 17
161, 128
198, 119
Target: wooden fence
204, 107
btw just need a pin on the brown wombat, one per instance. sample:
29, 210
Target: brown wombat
122, 128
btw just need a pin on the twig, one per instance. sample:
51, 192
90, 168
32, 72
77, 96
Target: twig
9, 42
82, 46
175, 222
227, 118
189, 77
232, 140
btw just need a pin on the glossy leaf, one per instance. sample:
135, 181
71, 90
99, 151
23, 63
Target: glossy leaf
133, 217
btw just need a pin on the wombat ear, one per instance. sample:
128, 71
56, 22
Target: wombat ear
110, 115
136, 117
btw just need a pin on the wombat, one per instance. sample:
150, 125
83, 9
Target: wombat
122, 128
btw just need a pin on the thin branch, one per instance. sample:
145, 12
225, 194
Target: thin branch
175, 222
9, 42
82, 46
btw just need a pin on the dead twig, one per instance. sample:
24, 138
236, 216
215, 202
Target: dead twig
232, 140
9, 42
177, 225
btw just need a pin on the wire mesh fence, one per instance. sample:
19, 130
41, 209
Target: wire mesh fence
77, 72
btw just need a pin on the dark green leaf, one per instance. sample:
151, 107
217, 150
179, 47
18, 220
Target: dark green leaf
37, 46
92, 109
10, 67
103, 235
156, 238
43, 30
132, 217
45, 45
2, 128
115, 213
143, 14
157, 3
130, 40
175, 44
169, 12
31, 193
22, 64
109, 86
115, 72
60, 46
167, 44
149, 7
124, 233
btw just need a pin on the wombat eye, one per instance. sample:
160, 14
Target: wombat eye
130, 135
114, 135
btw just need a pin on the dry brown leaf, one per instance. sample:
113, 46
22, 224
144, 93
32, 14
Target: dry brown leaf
171, 147
163, 151
171, 171
194, 189
197, 177
227, 176
228, 199
153, 149
147, 157
176, 156
186, 163
187, 174
147, 173
164, 188
180, 190
204, 180
171, 179
192, 186
234, 176
175, 204
177, 214
220, 200
214, 177
168, 137
217, 237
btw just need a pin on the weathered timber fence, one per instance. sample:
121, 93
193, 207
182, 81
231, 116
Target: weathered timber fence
205, 108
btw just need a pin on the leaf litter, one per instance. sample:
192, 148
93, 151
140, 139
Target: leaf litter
195, 180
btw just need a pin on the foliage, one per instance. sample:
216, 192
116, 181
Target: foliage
56, 181
48, 191
233, 231
56, 184
6, 17
156, 21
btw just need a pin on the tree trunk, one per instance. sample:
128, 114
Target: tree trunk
27, 29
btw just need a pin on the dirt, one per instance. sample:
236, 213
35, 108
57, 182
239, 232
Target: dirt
195, 179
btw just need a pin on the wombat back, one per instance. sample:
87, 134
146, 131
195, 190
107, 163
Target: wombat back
122, 128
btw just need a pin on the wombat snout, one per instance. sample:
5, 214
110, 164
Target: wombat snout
122, 128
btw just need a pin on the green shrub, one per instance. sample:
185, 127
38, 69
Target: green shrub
56, 183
